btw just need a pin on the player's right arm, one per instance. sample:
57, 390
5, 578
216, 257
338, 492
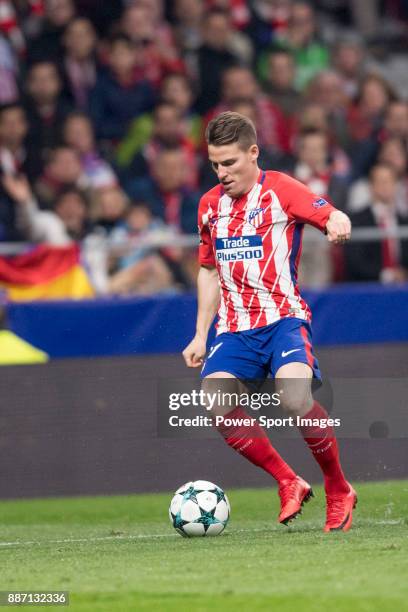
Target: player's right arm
208, 292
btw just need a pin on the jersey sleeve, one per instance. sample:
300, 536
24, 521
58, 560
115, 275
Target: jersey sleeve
303, 205
206, 250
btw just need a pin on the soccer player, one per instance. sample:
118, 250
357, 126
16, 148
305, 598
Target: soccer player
250, 229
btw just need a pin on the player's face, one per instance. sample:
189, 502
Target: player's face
236, 168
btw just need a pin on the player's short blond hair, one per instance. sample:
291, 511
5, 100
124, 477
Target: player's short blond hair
230, 127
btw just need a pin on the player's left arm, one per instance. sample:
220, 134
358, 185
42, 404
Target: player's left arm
304, 206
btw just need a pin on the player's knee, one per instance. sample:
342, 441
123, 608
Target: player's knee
220, 395
295, 404
295, 396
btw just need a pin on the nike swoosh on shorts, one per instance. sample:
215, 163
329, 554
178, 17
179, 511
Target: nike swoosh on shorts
214, 348
286, 353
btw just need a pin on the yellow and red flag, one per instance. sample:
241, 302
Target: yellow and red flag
45, 273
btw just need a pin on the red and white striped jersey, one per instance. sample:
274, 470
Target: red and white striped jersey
255, 243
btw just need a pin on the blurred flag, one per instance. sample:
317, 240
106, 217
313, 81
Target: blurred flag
43, 273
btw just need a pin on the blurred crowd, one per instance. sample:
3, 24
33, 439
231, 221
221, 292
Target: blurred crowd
104, 107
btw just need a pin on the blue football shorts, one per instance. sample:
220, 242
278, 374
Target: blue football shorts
255, 354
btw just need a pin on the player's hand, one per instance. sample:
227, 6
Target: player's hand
338, 227
194, 352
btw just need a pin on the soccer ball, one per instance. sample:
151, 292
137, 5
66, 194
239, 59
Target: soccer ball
199, 508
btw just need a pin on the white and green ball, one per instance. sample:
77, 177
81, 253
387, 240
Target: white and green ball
199, 508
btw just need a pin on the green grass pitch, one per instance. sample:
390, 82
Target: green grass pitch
120, 553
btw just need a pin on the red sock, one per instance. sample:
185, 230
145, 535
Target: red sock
253, 443
323, 444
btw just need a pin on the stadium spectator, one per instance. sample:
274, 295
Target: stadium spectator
177, 92
396, 121
157, 55
188, 15
269, 22
71, 208
391, 62
45, 105
326, 90
108, 209
367, 113
136, 268
214, 56
166, 190
348, 59
279, 81
238, 82
138, 223
313, 115
366, 120
167, 130
15, 156
311, 55
163, 126
163, 32
17, 19
315, 168
78, 133
393, 125
237, 41
392, 152
141, 268
118, 97
62, 169
385, 260
79, 60
67, 221
238, 9
177, 89
47, 45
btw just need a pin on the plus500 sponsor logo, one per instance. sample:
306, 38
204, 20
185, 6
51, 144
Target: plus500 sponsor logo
239, 248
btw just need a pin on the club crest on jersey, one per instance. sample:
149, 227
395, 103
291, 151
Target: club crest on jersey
319, 203
256, 217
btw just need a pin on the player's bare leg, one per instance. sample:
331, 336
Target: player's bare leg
297, 400
252, 442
